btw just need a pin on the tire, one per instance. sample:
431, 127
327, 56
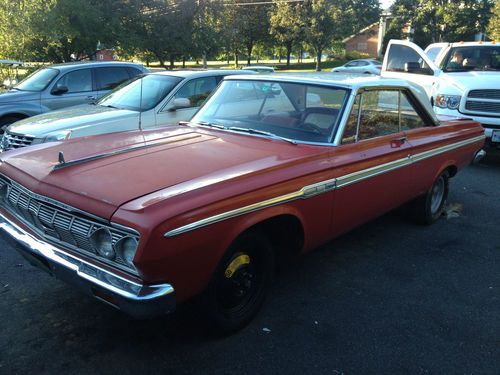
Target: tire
430, 207
239, 285
6, 121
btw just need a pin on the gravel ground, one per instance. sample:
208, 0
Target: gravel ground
389, 297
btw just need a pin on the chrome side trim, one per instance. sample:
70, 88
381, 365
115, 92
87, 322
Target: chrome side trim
443, 149
321, 187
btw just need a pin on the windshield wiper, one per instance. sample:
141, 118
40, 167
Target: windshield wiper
210, 124
261, 132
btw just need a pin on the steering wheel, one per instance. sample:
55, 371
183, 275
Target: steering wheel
311, 127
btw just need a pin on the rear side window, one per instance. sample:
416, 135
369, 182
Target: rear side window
110, 77
405, 59
132, 72
77, 81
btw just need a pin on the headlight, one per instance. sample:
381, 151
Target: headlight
126, 248
58, 136
102, 243
447, 101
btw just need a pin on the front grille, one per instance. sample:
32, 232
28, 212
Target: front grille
480, 106
484, 94
53, 221
12, 140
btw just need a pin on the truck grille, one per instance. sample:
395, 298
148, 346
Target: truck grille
478, 106
484, 94
483, 102
53, 221
11, 140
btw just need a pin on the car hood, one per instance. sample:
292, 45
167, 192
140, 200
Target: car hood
18, 96
70, 118
104, 172
465, 81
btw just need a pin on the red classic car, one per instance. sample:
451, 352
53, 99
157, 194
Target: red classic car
270, 166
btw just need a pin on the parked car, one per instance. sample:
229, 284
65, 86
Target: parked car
149, 100
464, 81
364, 66
259, 69
147, 220
63, 85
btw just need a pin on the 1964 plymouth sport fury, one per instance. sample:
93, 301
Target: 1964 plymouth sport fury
270, 166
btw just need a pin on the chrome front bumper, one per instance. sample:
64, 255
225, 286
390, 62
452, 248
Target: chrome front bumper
122, 292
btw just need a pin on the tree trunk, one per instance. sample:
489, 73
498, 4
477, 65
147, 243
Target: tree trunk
205, 64
249, 52
172, 62
236, 59
288, 53
183, 61
318, 60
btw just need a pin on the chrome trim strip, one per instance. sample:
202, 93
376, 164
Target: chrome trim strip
129, 294
321, 187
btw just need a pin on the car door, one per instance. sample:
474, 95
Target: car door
406, 60
109, 77
72, 88
372, 163
186, 100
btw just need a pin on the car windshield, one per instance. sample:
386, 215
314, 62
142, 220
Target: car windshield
473, 58
295, 111
141, 93
37, 81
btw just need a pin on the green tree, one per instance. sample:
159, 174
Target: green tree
323, 21
494, 23
286, 25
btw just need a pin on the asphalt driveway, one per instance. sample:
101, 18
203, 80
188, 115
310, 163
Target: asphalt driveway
390, 297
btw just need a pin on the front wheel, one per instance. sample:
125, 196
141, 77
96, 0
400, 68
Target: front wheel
429, 207
240, 283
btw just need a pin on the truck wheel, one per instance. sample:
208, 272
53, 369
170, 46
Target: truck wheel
429, 207
240, 283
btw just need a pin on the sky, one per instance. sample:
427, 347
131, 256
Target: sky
386, 3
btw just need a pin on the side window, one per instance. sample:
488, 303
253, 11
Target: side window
379, 114
350, 129
132, 72
197, 90
110, 77
410, 119
76, 81
406, 59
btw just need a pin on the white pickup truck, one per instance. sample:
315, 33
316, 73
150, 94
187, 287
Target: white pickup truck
462, 80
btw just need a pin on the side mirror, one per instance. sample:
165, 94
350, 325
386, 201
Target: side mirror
59, 90
179, 103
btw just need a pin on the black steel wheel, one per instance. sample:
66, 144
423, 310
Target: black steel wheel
240, 283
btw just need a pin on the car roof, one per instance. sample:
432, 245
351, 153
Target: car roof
200, 73
348, 81
91, 64
458, 44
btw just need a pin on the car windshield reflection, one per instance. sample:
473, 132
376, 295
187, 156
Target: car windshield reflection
291, 111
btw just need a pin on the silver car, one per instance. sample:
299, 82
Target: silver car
149, 100
364, 66
63, 85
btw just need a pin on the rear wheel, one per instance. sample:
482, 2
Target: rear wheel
429, 207
240, 283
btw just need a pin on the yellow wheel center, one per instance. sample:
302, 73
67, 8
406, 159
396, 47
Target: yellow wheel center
236, 263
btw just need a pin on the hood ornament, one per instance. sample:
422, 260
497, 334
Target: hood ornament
61, 158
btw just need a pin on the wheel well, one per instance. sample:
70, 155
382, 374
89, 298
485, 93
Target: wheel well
452, 170
19, 116
285, 232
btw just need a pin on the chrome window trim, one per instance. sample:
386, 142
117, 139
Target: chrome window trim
320, 187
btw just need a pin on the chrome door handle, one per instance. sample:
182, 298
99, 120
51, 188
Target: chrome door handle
90, 97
